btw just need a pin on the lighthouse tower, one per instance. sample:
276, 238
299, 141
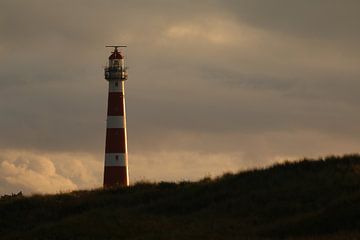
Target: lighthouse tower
116, 156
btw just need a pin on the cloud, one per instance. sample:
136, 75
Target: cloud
187, 155
44, 173
318, 19
182, 165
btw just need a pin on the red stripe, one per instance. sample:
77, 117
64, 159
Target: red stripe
115, 140
115, 104
115, 176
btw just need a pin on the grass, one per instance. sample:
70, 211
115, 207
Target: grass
307, 199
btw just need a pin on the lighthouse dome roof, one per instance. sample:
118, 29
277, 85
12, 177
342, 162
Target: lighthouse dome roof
116, 55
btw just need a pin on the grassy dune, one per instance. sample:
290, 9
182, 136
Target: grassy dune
308, 199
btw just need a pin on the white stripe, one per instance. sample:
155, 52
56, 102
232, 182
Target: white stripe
115, 122
116, 159
116, 86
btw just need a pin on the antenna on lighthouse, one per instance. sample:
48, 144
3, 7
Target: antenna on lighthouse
116, 46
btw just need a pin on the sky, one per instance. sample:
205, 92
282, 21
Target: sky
214, 86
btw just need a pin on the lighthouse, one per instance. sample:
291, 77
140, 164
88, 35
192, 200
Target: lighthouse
116, 155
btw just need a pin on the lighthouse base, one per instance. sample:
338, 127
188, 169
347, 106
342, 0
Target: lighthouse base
115, 176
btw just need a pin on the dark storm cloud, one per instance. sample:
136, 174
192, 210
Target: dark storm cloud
240, 82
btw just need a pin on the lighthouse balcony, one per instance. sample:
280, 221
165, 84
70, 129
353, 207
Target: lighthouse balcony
114, 73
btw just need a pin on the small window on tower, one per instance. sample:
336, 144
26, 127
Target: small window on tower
116, 157
116, 84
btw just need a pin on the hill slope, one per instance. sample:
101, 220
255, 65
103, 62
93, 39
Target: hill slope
301, 200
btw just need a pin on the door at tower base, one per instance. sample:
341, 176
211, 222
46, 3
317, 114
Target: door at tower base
115, 176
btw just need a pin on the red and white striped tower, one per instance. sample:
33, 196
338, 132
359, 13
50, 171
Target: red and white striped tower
116, 156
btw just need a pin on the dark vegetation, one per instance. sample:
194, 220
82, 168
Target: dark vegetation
301, 200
